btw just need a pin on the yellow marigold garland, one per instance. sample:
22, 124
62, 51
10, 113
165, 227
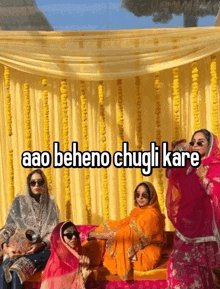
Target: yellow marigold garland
214, 93
139, 123
102, 130
176, 104
9, 132
46, 135
195, 89
64, 108
8, 101
120, 123
84, 120
27, 121
157, 89
11, 175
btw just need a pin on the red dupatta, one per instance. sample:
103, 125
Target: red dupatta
62, 269
192, 204
212, 183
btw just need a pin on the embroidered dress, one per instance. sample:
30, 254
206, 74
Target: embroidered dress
193, 208
190, 265
136, 241
27, 214
63, 269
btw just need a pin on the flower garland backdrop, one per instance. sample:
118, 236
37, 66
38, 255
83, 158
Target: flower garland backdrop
120, 125
65, 126
9, 132
160, 190
176, 104
215, 100
195, 101
139, 123
99, 89
46, 123
27, 120
85, 141
102, 130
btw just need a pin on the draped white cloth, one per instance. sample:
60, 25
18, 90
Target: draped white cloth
96, 55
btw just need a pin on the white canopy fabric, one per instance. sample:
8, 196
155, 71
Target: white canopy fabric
99, 55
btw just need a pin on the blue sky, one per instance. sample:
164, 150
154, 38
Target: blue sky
101, 15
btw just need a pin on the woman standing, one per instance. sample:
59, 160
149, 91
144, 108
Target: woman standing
25, 238
192, 201
134, 242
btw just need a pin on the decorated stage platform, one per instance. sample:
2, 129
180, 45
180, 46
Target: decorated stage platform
114, 284
153, 279
100, 277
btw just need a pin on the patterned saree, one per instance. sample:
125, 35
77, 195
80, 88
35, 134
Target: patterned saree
28, 215
136, 241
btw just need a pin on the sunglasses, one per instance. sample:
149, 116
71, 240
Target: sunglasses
145, 196
70, 235
200, 143
39, 182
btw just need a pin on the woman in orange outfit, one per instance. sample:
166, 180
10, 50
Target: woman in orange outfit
134, 242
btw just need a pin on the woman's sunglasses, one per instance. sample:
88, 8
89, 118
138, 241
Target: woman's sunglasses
200, 143
39, 182
70, 235
145, 196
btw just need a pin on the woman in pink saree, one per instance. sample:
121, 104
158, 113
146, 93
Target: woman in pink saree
192, 202
66, 267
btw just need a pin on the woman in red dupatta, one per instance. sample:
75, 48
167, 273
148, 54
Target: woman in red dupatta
66, 267
192, 202
134, 242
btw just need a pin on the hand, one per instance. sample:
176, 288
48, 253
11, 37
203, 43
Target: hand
202, 171
9, 251
177, 143
134, 258
84, 261
35, 248
91, 235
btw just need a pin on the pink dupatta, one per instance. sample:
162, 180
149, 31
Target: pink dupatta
193, 204
62, 269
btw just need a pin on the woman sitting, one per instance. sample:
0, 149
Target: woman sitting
66, 267
25, 238
134, 242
